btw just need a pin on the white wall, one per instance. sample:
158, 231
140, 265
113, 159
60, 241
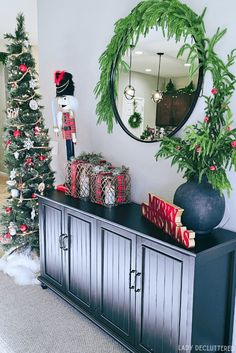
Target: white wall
72, 36
9, 10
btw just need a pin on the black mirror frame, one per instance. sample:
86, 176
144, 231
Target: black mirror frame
117, 115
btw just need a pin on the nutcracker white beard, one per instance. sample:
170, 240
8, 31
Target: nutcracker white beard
67, 103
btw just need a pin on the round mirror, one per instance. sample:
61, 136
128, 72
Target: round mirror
153, 95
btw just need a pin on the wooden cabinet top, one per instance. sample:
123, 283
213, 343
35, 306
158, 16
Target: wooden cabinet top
130, 217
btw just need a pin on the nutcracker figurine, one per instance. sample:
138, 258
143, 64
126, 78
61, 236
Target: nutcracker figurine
64, 108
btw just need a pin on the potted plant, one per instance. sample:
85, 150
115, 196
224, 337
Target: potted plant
208, 148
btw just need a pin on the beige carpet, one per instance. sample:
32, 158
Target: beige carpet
33, 320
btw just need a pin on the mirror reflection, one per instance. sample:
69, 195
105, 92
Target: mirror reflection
155, 91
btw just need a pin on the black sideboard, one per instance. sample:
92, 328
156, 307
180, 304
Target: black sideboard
135, 282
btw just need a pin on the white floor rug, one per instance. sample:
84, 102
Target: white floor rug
23, 266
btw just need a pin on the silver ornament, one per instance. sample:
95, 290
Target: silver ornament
13, 174
33, 83
16, 155
33, 104
15, 193
28, 144
12, 228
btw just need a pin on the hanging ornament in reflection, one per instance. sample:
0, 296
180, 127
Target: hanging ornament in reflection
129, 91
157, 95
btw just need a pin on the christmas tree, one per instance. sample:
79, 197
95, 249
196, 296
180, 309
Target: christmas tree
27, 151
170, 87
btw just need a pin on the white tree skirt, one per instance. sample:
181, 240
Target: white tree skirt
23, 266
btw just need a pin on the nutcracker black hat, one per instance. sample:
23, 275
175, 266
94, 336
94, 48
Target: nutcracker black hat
64, 84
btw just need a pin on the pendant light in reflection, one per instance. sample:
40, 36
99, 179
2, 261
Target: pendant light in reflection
157, 95
129, 91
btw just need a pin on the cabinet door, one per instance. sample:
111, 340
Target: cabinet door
80, 260
51, 232
115, 279
163, 298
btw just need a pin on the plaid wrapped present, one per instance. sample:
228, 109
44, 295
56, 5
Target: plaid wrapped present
110, 186
79, 172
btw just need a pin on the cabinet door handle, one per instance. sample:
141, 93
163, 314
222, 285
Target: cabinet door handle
61, 241
64, 245
131, 286
138, 274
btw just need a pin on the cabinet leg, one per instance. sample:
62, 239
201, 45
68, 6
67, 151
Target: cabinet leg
43, 286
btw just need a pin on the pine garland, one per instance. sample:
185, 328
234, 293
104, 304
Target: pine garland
27, 151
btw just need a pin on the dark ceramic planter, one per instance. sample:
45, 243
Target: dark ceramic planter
203, 206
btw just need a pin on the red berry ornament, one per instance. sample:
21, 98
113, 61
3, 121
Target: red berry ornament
7, 236
16, 133
233, 144
23, 68
212, 168
206, 119
198, 149
23, 228
42, 157
8, 142
36, 130
8, 210
29, 161
34, 196
214, 91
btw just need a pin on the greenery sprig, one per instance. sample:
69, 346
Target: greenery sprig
208, 148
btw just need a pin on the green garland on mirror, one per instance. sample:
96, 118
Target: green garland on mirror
135, 120
175, 20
